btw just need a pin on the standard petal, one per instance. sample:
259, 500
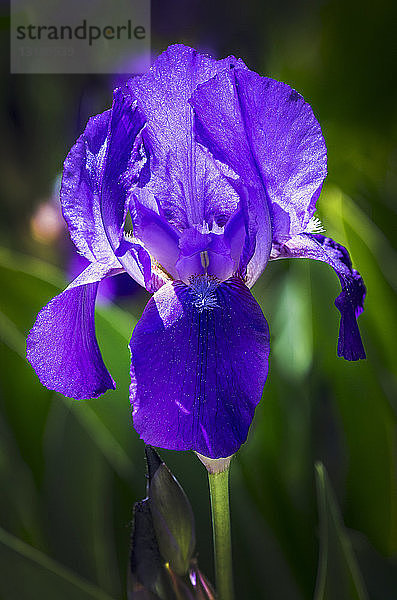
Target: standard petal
185, 182
80, 191
199, 364
267, 133
62, 346
350, 301
124, 162
99, 173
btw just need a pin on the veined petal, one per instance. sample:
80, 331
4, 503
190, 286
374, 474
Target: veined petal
199, 364
99, 173
185, 181
220, 125
124, 162
62, 346
267, 133
80, 191
350, 301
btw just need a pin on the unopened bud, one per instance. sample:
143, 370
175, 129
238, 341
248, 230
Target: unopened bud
172, 515
149, 578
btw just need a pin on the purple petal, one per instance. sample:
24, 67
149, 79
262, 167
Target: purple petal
159, 237
204, 253
220, 125
199, 363
80, 191
124, 162
62, 346
99, 173
267, 133
350, 301
186, 183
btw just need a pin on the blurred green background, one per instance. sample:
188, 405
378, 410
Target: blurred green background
70, 472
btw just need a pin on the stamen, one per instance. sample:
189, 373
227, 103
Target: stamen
314, 226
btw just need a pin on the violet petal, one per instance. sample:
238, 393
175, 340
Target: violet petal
124, 162
267, 133
80, 191
99, 172
350, 301
186, 183
62, 346
199, 363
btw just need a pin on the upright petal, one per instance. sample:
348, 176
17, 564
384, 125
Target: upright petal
124, 162
80, 191
62, 346
199, 363
350, 301
99, 173
186, 182
267, 133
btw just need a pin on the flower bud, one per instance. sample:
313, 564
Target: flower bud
149, 578
172, 515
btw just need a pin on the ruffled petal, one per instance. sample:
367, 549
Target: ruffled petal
269, 136
220, 125
99, 173
124, 163
80, 191
62, 346
199, 364
350, 301
186, 184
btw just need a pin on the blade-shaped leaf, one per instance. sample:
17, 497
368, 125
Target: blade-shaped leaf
338, 574
30, 574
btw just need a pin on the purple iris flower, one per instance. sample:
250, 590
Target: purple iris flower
220, 170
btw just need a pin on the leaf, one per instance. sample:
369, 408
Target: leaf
27, 285
338, 574
365, 392
32, 575
292, 323
79, 453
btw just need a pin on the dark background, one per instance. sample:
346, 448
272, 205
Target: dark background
70, 472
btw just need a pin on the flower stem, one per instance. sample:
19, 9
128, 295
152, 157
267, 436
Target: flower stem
219, 494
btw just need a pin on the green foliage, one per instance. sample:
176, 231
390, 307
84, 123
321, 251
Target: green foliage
338, 575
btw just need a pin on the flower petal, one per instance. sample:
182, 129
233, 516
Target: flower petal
122, 168
269, 136
159, 237
186, 182
99, 173
80, 191
350, 301
220, 125
199, 363
62, 346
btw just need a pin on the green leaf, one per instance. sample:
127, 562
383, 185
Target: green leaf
32, 575
76, 456
28, 284
365, 392
338, 574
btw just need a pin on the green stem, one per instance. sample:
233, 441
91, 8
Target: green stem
219, 494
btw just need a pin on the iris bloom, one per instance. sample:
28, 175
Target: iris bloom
220, 170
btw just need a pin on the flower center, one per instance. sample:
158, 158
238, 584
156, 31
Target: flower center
203, 291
